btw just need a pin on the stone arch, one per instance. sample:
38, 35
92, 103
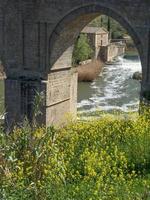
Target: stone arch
38, 46
63, 37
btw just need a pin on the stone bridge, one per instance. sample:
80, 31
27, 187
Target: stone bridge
36, 43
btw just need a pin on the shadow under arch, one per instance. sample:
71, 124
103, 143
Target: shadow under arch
65, 33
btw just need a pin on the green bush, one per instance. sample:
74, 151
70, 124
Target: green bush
94, 160
117, 31
82, 50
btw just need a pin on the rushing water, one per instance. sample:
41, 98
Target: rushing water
114, 89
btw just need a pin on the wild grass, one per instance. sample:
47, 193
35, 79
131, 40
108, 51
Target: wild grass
90, 71
106, 159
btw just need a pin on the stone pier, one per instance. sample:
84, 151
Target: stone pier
36, 45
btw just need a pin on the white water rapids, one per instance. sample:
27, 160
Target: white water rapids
114, 89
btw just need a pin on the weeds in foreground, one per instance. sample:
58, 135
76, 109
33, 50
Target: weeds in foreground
93, 160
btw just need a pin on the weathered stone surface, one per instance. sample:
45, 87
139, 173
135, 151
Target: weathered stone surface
37, 37
12, 102
73, 93
58, 87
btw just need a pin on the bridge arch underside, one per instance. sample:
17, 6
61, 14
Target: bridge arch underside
68, 29
61, 46
56, 80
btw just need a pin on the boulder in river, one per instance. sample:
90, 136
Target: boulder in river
137, 76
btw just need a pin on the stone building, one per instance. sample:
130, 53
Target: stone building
98, 37
101, 43
112, 50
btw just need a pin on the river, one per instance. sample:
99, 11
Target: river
114, 89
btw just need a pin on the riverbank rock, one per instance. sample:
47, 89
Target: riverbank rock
137, 76
85, 62
90, 71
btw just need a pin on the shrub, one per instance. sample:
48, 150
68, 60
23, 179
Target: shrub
93, 160
117, 31
28, 162
90, 71
82, 50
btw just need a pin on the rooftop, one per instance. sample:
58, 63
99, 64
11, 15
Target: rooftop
96, 30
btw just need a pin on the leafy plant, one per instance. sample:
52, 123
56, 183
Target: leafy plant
92, 160
82, 50
117, 31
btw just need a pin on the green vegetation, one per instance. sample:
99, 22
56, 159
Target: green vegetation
1, 96
116, 30
115, 113
82, 50
107, 159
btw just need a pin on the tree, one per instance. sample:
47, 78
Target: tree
117, 31
82, 50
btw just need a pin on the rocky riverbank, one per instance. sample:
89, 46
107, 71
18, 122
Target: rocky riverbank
137, 76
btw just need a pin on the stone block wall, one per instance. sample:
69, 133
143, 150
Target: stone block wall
12, 103
102, 39
73, 92
61, 98
37, 38
112, 52
108, 53
92, 41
